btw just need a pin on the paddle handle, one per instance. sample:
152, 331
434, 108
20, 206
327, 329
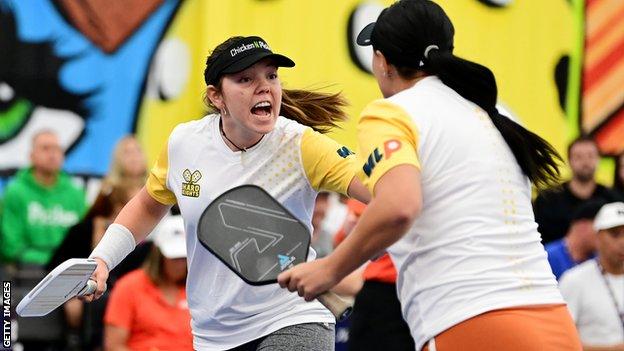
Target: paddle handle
338, 306
89, 288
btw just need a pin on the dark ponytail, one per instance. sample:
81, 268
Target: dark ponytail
475, 82
416, 36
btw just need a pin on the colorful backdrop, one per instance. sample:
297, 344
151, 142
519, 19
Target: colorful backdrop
96, 70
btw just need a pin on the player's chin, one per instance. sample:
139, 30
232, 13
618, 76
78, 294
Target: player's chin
263, 124
264, 128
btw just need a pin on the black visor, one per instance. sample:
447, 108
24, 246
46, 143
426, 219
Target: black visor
370, 35
241, 55
364, 38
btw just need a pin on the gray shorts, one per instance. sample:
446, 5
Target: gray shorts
299, 337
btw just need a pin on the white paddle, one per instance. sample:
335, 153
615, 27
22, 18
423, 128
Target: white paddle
70, 278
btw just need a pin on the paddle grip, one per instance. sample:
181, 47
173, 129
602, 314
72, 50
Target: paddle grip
339, 307
89, 288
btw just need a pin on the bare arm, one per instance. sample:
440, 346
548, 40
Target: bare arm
358, 191
115, 338
389, 215
140, 216
351, 284
396, 204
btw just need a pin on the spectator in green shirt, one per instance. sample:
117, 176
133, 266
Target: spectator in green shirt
39, 205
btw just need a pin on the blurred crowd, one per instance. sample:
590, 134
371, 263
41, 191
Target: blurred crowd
46, 219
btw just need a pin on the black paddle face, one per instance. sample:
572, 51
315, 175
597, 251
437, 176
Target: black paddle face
253, 234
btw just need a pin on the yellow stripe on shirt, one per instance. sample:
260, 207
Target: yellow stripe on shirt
387, 137
327, 164
157, 180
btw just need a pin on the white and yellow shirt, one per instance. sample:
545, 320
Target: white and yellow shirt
292, 163
475, 247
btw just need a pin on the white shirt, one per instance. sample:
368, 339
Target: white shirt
291, 163
475, 246
591, 305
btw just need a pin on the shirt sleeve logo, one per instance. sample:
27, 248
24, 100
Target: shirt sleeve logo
390, 146
190, 188
344, 152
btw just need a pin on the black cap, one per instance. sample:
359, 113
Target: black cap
368, 36
241, 55
404, 30
371, 35
365, 36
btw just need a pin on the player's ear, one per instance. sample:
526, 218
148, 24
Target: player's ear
382, 62
214, 96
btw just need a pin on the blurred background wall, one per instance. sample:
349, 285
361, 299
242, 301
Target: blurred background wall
96, 70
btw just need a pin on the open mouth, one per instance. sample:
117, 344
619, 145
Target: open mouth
263, 108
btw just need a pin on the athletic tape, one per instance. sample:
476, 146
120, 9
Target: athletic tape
115, 245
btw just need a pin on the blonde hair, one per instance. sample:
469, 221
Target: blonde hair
320, 111
116, 171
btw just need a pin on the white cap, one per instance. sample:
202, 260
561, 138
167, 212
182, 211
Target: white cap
610, 216
170, 237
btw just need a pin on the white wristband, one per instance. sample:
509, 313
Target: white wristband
114, 246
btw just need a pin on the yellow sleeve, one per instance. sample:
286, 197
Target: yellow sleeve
157, 180
327, 164
387, 137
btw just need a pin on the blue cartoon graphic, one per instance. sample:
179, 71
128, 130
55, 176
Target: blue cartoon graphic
77, 68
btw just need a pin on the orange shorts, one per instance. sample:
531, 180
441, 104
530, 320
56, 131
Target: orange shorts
535, 328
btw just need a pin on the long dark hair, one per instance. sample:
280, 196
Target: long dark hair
408, 27
319, 110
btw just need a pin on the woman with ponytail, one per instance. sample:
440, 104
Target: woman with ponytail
451, 181
258, 134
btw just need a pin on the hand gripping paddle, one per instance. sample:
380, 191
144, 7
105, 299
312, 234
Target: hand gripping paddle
257, 238
69, 279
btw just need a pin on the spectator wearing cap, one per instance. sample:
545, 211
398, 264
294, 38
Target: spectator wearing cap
147, 309
579, 244
594, 290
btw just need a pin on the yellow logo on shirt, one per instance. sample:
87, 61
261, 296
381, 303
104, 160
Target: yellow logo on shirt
191, 188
